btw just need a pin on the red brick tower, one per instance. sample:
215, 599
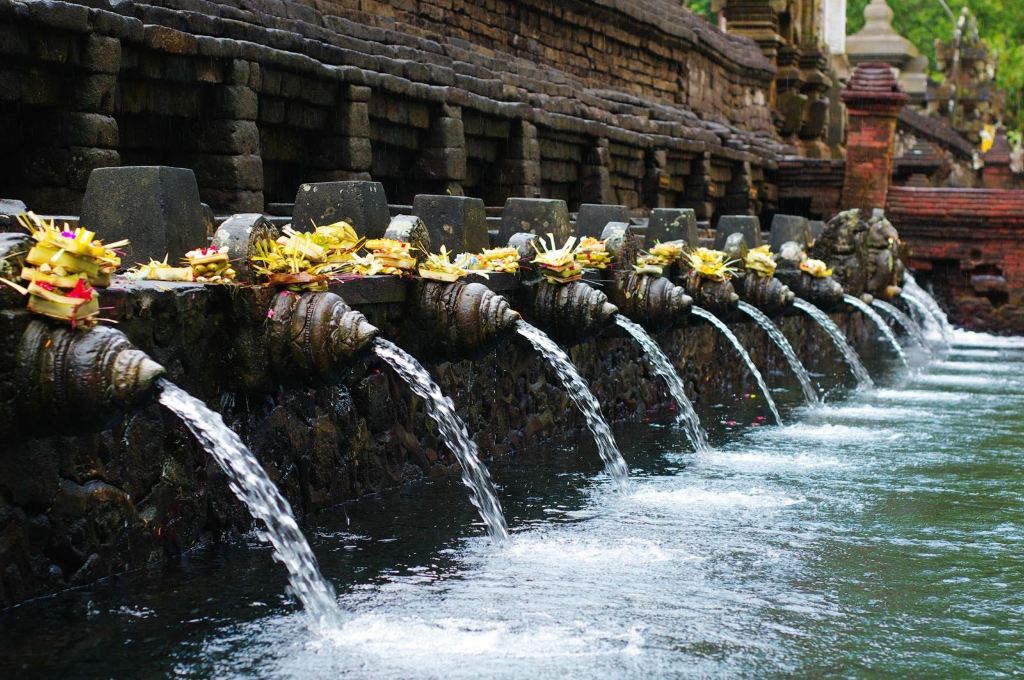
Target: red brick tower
873, 99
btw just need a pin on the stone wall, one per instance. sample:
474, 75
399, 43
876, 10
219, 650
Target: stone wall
78, 507
634, 102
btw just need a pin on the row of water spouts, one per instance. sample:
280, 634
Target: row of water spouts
249, 481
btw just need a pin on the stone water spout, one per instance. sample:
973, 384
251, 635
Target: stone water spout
76, 379
652, 301
758, 288
569, 312
716, 296
822, 291
315, 334
465, 319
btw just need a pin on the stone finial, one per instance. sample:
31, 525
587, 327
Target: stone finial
593, 217
878, 41
156, 207
541, 216
790, 228
364, 205
874, 86
672, 224
748, 225
457, 222
240, 234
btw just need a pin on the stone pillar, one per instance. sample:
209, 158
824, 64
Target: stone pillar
700, 188
345, 153
89, 129
996, 173
441, 161
874, 100
228, 164
520, 172
595, 176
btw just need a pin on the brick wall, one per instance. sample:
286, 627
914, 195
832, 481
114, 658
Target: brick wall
970, 244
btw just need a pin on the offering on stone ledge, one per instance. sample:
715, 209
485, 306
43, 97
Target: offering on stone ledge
593, 254
761, 261
499, 260
210, 265
439, 267
711, 264
665, 254
557, 265
815, 268
62, 269
393, 256
156, 270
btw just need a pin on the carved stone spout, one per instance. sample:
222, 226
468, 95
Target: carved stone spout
73, 379
652, 301
315, 334
766, 293
756, 287
825, 292
713, 295
569, 312
461, 319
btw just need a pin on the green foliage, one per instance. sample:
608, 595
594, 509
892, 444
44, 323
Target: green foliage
1000, 22
702, 7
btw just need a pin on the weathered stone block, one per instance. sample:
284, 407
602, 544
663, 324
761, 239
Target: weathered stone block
361, 204
790, 228
748, 225
593, 217
449, 164
540, 216
90, 129
83, 160
156, 207
457, 222
228, 136
672, 224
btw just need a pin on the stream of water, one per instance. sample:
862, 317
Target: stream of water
795, 365
909, 325
584, 399
688, 417
441, 409
741, 350
866, 310
864, 380
249, 481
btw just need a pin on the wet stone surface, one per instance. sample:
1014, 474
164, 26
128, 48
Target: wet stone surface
77, 508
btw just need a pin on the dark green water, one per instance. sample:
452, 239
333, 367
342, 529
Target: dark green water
882, 536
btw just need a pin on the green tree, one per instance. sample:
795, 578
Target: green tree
1000, 22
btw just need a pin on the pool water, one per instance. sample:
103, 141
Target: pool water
880, 535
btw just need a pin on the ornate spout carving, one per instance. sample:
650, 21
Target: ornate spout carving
569, 312
315, 334
822, 291
464, 319
715, 296
78, 379
652, 301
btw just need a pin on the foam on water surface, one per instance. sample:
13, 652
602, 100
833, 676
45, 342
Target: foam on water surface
837, 434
